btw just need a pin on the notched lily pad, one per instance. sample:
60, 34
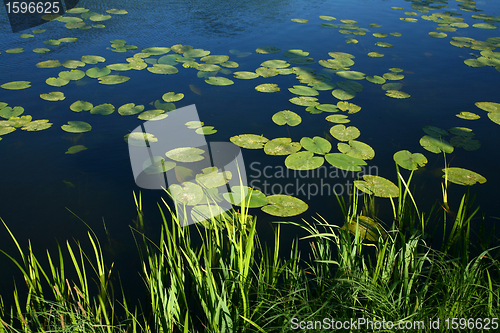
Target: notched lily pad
436, 145
463, 176
53, 96
75, 149
342, 133
251, 198
303, 160
284, 206
187, 193
281, 146
409, 161
79, 106
267, 50
378, 186
286, 117
316, 145
16, 85
113, 79
76, 127
356, 149
219, 81
344, 162
103, 109
267, 87
249, 141
186, 154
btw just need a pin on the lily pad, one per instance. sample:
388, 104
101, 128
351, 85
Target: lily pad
97, 72
294, 54
76, 127
397, 94
266, 72
316, 145
208, 68
409, 161
281, 146
393, 76
484, 26
383, 44
206, 130
304, 101
140, 139
163, 69
299, 20
287, 117
356, 149
341, 133
37, 125
130, 109
16, 85
494, 117
187, 193
303, 160
345, 162
343, 95
435, 145
73, 75
117, 11
284, 206
327, 107
375, 55
267, 50
157, 165
366, 228
8, 112
352, 75
275, 64
434, 131
350, 107
338, 118
468, 115
53, 96
466, 142
17, 121
488, 106
172, 97
303, 91
376, 79
113, 79
41, 50
461, 131
196, 53
245, 75
219, 81
75, 149
91, 59
6, 130
79, 106
251, 198
194, 124
463, 176
249, 141
378, 186
153, 115
103, 109
212, 178
267, 87
72, 64
99, 17
437, 34
186, 154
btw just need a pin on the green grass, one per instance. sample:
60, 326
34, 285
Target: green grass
219, 277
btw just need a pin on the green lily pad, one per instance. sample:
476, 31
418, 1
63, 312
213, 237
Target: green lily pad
286, 117
113, 79
303, 160
350, 107
6, 130
284, 206
494, 117
341, 133
466, 142
294, 54
103, 109
409, 161
488, 106
463, 176
434, 131
392, 86
356, 149
68, 40
8, 112
130, 109
117, 11
54, 42
267, 87
296, 20
378, 186
245, 75
219, 81
304, 101
435, 145
153, 115
281, 146
37, 125
327, 18
383, 44
119, 67
484, 26
14, 51
196, 53
79, 106
194, 124
437, 34
393, 76
25, 36
172, 97
338, 118
99, 17
229, 64
208, 67
91, 59
343, 95
16, 85
97, 72
157, 50
461, 131
316, 145
323, 86
179, 48
267, 50
53, 96
303, 91
212, 178
72, 64
345, 162
157, 165
249, 141
76, 127
75, 149
163, 69
396, 94
18, 121
74, 74
376, 79
327, 107
186, 154
187, 193
206, 130
468, 115
41, 50
251, 198
140, 139
366, 228
275, 64
266, 72
352, 75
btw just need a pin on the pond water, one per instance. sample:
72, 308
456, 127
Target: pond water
41, 185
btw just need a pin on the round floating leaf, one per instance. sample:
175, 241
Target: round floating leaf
130, 109
266, 72
299, 20
74, 74
54, 41
185, 154
466, 143
484, 26
393, 76
41, 50
494, 117
97, 72
378, 186
409, 161
196, 53
8, 112
73, 64
356, 149
163, 69
303, 160
275, 64
375, 55
437, 34
435, 145
267, 50
245, 75
463, 176
287, 117
117, 11
68, 40
249, 141
91, 59
251, 198
327, 18
303, 91
383, 44
113, 79
350, 107
215, 59
206, 130
468, 115
172, 97
187, 193
6, 130
338, 118
294, 54
434, 131
76, 127
488, 106
56, 81
157, 165
153, 115
267, 87
14, 51
281, 146
219, 81
75, 149
194, 124
140, 139
379, 35
79, 106
17, 121
352, 75
316, 145
323, 86
345, 162
37, 125
208, 68
461, 131
376, 79
103, 109
53, 96
304, 101
99, 17
230, 64
397, 94
343, 95
284, 206
119, 67
341, 133
16, 85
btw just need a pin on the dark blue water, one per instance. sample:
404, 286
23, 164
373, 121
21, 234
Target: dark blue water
40, 184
